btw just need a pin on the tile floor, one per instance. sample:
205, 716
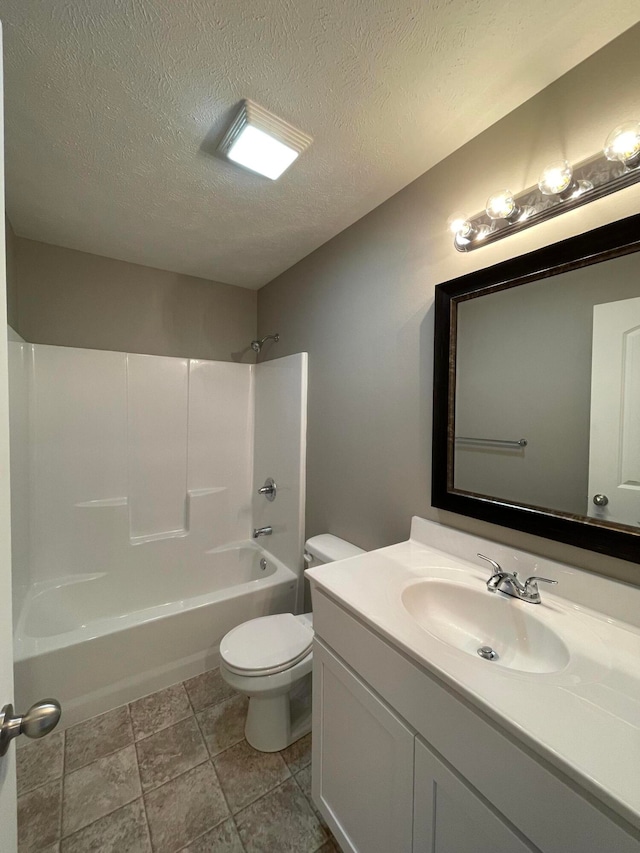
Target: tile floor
169, 772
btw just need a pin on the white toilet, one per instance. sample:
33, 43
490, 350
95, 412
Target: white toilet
269, 660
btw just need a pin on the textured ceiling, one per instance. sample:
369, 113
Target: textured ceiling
113, 108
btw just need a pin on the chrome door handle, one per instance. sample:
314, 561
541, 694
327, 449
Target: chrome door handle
600, 500
39, 720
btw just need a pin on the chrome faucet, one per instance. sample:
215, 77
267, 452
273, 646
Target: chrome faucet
527, 591
262, 531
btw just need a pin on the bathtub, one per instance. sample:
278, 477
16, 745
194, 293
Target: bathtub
99, 640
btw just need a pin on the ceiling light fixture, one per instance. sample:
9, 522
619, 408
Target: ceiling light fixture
560, 187
262, 142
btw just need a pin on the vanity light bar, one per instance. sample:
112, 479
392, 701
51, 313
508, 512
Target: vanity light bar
561, 187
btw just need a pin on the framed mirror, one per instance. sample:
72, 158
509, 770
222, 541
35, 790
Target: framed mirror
537, 392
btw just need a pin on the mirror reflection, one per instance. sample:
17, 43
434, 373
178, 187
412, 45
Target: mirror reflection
547, 401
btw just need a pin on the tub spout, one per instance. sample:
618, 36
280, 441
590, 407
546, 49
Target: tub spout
262, 531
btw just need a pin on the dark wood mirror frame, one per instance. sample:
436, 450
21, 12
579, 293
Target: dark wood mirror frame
609, 241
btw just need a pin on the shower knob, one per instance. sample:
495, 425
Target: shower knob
39, 720
600, 500
269, 490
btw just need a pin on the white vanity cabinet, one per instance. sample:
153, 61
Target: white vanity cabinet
364, 757
451, 817
381, 787
402, 764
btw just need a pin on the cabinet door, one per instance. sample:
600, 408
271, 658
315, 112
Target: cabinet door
362, 761
451, 817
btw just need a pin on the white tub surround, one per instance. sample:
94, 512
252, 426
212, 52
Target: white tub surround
125, 452
280, 449
558, 710
132, 503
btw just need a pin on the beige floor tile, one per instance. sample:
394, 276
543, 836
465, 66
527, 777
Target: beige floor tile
158, 742
223, 839
97, 737
329, 847
298, 755
246, 774
208, 689
223, 725
303, 778
159, 710
39, 762
39, 817
99, 788
280, 822
120, 831
185, 808
170, 752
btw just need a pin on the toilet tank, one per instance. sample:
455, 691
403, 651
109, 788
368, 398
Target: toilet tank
326, 548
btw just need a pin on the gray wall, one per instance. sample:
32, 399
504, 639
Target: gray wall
69, 298
524, 371
362, 306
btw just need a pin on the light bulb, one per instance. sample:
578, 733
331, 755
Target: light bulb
556, 178
502, 205
459, 225
623, 144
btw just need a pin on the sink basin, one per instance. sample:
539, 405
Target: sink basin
469, 619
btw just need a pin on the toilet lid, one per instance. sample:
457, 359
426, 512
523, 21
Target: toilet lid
267, 643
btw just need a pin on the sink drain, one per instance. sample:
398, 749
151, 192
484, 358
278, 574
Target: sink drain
487, 653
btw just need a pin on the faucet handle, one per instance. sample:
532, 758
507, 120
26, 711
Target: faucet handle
530, 590
534, 580
497, 568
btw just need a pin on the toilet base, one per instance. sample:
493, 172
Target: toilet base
275, 722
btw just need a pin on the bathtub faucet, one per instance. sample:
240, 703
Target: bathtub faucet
262, 531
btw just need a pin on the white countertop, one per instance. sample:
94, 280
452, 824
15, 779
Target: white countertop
583, 718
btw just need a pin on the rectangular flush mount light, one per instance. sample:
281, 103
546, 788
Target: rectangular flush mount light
262, 142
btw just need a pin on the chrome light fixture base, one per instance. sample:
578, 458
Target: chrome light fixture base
592, 178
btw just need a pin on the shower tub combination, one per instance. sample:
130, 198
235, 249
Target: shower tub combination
134, 491
98, 641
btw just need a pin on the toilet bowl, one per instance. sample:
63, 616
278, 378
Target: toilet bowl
269, 659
